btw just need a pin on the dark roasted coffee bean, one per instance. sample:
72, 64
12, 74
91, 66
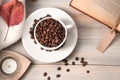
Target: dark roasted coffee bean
31, 29
58, 75
48, 15
77, 58
32, 37
82, 59
45, 74
40, 18
65, 60
87, 71
85, 63
68, 70
34, 25
49, 50
48, 78
59, 68
35, 42
36, 21
66, 64
73, 63
41, 48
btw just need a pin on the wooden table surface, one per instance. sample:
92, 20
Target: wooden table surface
90, 32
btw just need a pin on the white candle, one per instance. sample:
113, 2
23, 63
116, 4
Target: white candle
9, 66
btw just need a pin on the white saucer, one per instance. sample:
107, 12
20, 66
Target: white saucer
42, 55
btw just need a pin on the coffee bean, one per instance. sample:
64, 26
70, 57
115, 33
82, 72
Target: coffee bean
41, 48
84, 63
87, 71
77, 58
48, 15
82, 59
66, 64
68, 70
73, 63
34, 25
35, 42
36, 21
65, 60
45, 74
32, 37
49, 50
59, 68
48, 78
40, 18
58, 75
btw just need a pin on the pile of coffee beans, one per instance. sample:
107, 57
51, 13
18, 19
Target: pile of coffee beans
50, 32
33, 27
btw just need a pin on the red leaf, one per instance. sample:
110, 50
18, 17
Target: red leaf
12, 13
5, 10
16, 14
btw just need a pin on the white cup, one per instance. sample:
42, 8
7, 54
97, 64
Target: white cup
66, 27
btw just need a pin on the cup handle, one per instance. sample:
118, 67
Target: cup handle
69, 26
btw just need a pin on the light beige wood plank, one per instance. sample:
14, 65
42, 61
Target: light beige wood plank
76, 72
62, 4
84, 48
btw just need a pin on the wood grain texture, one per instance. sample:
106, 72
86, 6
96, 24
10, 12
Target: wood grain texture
90, 32
21, 67
76, 72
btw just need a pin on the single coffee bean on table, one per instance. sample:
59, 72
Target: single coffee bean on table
45, 74
68, 70
87, 71
73, 63
77, 58
82, 59
59, 68
58, 75
48, 78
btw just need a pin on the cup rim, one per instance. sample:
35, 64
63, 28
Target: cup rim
50, 48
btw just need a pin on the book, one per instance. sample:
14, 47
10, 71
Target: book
104, 11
